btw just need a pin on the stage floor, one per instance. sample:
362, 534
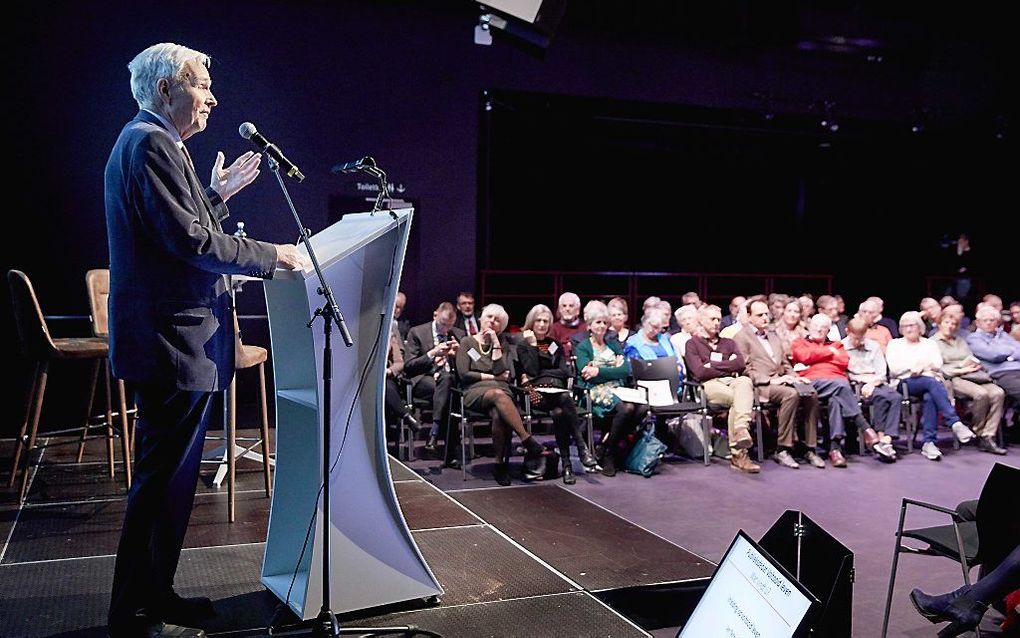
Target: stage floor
528, 560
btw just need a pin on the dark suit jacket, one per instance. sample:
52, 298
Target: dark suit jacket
461, 320
417, 362
170, 314
758, 364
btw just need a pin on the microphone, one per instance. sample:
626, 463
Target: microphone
248, 132
357, 165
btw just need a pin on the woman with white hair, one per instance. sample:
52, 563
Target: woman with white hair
917, 363
544, 370
483, 367
601, 367
969, 379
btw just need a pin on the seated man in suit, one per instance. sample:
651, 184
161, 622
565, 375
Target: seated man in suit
826, 364
717, 363
467, 318
868, 368
427, 364
771, 373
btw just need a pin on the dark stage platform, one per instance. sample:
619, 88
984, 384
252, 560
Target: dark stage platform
524, 561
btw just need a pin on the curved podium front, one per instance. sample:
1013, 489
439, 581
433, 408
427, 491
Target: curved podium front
375, 561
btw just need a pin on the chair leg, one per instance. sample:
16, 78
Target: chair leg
761, 441
231, 425
108, 396
706, 429
892, 572
88, 414
125, 438
29, 404
34, 428
266, 466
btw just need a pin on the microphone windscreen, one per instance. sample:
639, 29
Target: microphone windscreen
247, 129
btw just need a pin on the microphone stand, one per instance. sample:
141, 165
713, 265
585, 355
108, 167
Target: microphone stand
325, 624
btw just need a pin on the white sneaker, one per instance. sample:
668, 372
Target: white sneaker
962, 432
931, 451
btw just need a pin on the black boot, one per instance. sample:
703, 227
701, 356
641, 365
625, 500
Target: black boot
568, 469
411, 422
608, 465
502, 474
534, 461
958, 607
583, 453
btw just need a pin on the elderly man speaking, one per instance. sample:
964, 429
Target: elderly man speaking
171, 324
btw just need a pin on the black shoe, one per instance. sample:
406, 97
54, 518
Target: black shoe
534, 459
568, 471
411, 422
962, 612
988, 444
588, 460
453, 464
608, 466
502, 474
430, 445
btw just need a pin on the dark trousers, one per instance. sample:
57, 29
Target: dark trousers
171, 431
842, 403
886, 405
565, 424
393, 400
1010, 382
437, 389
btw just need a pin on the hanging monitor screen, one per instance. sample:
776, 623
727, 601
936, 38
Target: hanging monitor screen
750, 596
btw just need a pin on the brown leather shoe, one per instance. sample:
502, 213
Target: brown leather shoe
742, 461
836, 458
870, 438
742, 439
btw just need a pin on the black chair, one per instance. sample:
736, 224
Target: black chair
647, 371
974, 537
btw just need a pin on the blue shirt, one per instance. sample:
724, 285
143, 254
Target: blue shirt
997, 351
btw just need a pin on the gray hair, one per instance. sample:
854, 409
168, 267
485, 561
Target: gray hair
164, 60
912, 317
533, 314
499, 312
595, 309
986, 309
817, 322
690, 311
651, 313
569, 296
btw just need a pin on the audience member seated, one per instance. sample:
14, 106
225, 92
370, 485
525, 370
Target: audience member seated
601, 367
807, 307
916, 362
841, 307
947, 300
868, 311
543, 365
880, 320
467, 318
1014, 315
396, 409
789, 327
868, 369
956, 310
403, 323
483, 366
650, 342
777, 303
969, 379
775, 381
930, 312
667, 311
718, 365
569, 323
691, 298
828, 306
998, 352
619, 329
826, 366
687, 319
730, 331
427, 366
736, 304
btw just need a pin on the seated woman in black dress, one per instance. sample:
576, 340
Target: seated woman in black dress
543, 364
483, 366
601, 367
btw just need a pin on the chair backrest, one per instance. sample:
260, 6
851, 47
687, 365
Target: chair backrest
97, 282
663, 369
998, 517
36, 342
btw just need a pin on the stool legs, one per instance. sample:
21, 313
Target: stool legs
266, 468
26, 449
231, 398
32, 407
88, 413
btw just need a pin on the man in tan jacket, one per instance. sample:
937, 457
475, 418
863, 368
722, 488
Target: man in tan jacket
767, 365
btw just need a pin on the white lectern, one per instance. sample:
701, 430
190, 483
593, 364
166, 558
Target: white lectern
375, 560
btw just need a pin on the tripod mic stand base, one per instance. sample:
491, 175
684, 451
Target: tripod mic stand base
325, 625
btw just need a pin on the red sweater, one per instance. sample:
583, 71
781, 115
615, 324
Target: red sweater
826, 360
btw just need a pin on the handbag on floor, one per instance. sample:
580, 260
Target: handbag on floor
645, 455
